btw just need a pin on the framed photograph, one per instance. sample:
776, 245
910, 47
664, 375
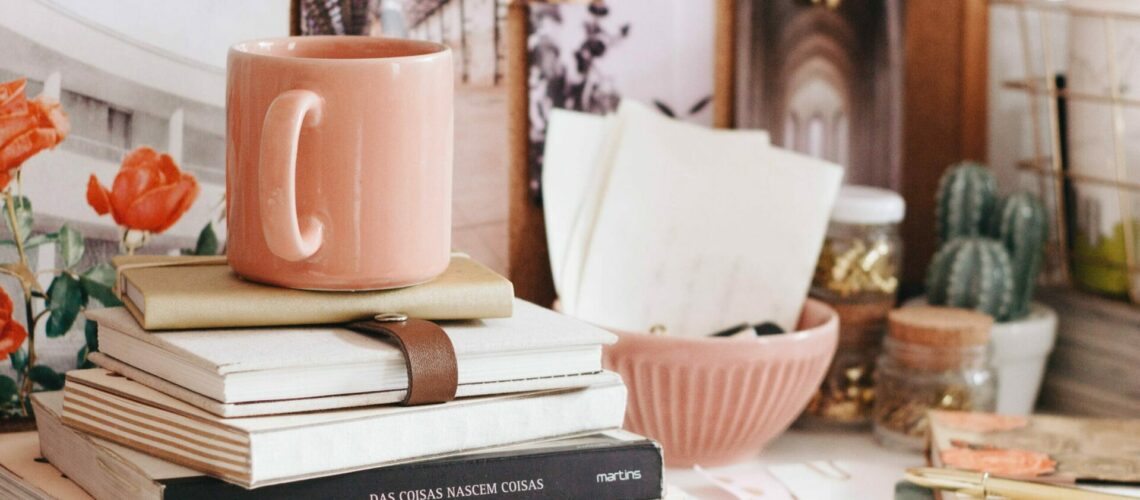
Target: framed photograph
588, 56
894, 91
824, 78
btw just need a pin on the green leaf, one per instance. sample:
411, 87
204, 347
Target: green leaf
46, 377
81, 361
9, 390
19, 360
36, 240
103, 274
91, 331
71, 246
65, 298
99, 282
24, 219
207, 241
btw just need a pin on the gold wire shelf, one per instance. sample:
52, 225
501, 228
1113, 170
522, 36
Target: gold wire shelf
1041, 166
1030, 85
1067, 7
1046, 162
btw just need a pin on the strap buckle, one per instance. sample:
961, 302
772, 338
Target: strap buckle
433, 374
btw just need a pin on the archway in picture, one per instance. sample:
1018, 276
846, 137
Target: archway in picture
815, 85
818, 108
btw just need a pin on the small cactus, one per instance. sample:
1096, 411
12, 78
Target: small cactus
972, 273
1019, 223
967, 194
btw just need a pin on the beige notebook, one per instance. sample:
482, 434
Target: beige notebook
166, 293
258, 451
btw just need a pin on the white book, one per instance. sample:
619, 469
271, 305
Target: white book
259, 451
111, 471
261, 408
219, 370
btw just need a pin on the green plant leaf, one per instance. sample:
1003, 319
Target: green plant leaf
91, 331
46, 377
99, 282
36, 240
24, 219
71, 246
81, 361
65, 298
19, 360
9, 390
103, 274
33, 241
207, 241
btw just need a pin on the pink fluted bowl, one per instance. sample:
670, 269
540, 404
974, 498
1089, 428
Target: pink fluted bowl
714, 401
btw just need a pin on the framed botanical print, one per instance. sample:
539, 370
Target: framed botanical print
674, 55
588, 56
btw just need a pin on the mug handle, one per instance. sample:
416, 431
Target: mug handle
277, 175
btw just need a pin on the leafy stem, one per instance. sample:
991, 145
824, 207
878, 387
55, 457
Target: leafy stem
13, 222
134, 239
18, 236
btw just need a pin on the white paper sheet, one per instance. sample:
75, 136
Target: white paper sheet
573, 141
696, 228
826, 480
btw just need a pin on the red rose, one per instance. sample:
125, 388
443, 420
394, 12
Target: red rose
12, 333
150, 193
26, 127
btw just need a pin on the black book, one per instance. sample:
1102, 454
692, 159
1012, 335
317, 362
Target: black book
614, 464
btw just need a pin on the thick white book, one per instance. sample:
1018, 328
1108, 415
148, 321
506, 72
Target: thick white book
260, 451
111, 471
329, 367
278, 407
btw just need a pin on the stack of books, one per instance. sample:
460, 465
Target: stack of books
211, 386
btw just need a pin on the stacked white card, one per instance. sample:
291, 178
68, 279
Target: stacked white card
652, 221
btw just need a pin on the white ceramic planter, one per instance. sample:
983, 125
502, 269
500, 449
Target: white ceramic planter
1019, 350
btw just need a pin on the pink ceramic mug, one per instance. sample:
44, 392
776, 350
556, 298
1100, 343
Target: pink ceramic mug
339, 158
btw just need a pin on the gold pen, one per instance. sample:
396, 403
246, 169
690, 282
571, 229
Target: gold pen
983, 485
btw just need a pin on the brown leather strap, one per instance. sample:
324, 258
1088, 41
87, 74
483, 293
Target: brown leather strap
433, 375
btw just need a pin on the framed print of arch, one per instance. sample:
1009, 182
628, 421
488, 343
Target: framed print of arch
824, 73
894, 90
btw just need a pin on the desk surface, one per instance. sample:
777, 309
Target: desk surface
884, 467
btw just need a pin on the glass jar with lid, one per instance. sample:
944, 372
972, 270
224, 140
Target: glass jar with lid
857, 274
934, 358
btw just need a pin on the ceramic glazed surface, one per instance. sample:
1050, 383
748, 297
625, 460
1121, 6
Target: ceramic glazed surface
339, 161
712, 401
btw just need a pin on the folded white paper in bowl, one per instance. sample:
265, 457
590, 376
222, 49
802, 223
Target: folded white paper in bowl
680, 225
